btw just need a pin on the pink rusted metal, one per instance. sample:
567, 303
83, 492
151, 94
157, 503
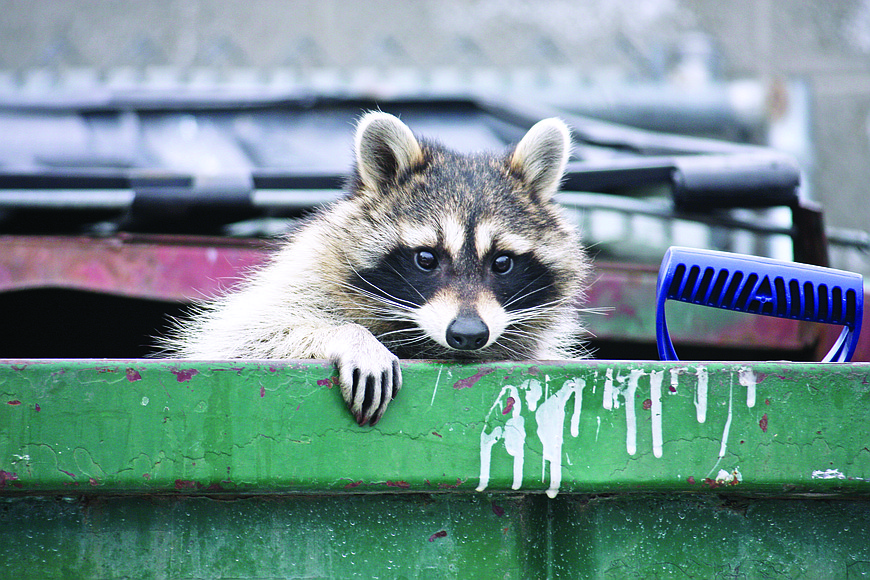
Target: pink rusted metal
172, 268
184, 268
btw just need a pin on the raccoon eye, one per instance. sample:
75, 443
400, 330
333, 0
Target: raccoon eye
502, 264
425, 260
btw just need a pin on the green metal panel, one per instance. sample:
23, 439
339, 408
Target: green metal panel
591, 427
178, 469
709, 536
436, 536
352, 536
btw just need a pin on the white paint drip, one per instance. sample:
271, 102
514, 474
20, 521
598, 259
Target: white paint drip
655, 395
630, 415
609, 392
747, 379
435, 390
514, 435
579, 385
675, 380
701, 394
724, 446
828, 474
550, 414
487, 440
726, 477
533, 393
611, 401
515, 439
550, 417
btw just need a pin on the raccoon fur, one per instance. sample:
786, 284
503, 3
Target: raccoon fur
433, 254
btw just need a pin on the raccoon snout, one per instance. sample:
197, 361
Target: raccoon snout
467, 332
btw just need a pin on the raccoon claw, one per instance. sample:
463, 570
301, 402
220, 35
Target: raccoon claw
369, 383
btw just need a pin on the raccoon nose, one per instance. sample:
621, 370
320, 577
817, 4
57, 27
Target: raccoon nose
467, 333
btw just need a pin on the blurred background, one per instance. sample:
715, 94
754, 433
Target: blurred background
809, 62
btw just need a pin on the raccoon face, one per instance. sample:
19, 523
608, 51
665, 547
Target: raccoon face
471, 311
467, 256
462, 304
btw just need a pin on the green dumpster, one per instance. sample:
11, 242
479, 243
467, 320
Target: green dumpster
599, 469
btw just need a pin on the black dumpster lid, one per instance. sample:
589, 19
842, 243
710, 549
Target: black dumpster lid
192, 161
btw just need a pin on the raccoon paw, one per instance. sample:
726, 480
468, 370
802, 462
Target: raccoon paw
369, 377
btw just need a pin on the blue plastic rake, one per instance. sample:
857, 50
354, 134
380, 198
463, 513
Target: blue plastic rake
761, 286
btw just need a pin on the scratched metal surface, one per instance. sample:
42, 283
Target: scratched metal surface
433, 537
170, 469
590, 427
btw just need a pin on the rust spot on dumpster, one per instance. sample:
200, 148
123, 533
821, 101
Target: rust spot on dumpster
458, 483
38, 408
497, 510
690, 480
509, 405
14, 403
724, 478
181, 484
353, 484
763, 423
647, 404
441, 534
133, 375
262, 391
328, 383
6, 476
184, 375
469, 382
402, 484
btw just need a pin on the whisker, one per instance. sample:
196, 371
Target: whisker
384, 298
398, 301
513, 353
513, 298
405, 280
519, 316
418, 331
516, 298
520, 333
597, 310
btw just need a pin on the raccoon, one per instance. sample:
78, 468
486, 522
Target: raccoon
433, 254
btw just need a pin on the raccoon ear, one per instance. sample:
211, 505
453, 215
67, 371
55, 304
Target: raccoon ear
541, 155
385, 148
